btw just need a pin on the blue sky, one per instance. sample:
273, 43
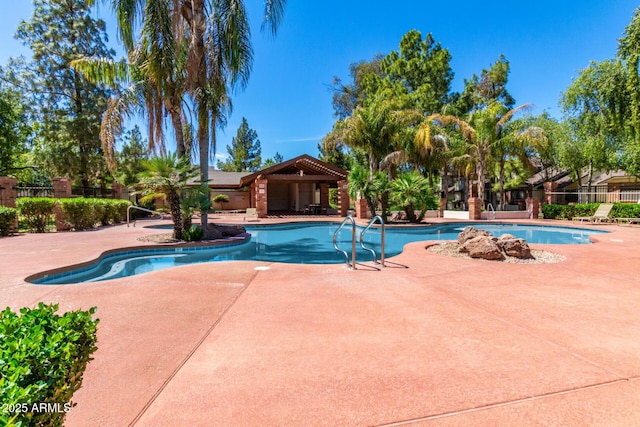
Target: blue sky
288, 100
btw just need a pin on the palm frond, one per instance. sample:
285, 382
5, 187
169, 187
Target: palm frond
509, 114
103, 71
273, 14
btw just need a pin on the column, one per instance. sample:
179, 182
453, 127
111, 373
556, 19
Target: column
116, 189
61, 188
550, 187
533, 206
8, 195
261, 197
475, 208
343, 198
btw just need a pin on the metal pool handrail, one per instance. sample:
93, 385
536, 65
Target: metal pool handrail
352, 266
140, 209
379, 219
492, 210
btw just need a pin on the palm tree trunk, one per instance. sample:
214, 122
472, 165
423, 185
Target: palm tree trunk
502, 192
480, 169
176, 213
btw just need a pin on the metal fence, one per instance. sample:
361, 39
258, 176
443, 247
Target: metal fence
45, 191
597, 195
33, 191
97, 192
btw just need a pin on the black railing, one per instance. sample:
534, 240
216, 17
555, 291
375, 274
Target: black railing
34, 191
97, 192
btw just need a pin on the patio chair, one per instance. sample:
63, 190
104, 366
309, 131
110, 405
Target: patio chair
601, 214
252, 214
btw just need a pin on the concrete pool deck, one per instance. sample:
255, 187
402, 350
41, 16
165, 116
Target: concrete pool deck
429, 340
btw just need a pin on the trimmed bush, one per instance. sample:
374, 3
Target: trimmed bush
79, 213
626, 210
43, 356
620, 210
83, 213
7, 220
36, 212
119, 213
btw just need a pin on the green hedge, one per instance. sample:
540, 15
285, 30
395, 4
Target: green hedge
7, 220
620, 210
83, 213
36, 212
626, 210
43, 356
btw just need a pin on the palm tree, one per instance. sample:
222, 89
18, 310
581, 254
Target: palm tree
412, 191
374, 128
166, 176
218, 53
481, 131
152, 82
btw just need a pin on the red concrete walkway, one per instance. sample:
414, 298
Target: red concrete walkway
430, 340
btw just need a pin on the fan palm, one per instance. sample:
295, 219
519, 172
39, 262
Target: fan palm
412, 191
167, 176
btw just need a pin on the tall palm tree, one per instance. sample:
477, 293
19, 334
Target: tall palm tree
481, 131
219, 53
166, 176
374, 128
151, 82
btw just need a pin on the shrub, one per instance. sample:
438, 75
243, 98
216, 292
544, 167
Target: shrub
626, 210
193, 234
43, 356
36, 212
620, 210
7, 220
119, 212
80, 213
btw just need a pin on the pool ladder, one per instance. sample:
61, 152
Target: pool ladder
352, 265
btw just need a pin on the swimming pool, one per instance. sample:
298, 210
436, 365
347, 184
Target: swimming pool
300, 243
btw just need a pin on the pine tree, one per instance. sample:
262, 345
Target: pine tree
67, 106
244, 152
130, 158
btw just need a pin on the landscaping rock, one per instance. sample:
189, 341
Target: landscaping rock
214, 232
482, 246
515, 247
469, 233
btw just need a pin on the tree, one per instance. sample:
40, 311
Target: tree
489, 87
595, 105
481, 131
277, 158
150, 82
412, 191
374, 128
166, 176
346, 97
14, 132
372, 189
131, 156
244, 152
70, 106
221, 199
420, 69
629, 52
219, 55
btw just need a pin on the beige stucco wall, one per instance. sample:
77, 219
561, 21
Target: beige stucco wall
238, 200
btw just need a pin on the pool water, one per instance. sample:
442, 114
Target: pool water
299, 243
